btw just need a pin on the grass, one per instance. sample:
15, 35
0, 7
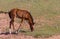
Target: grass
45, 31
49, 9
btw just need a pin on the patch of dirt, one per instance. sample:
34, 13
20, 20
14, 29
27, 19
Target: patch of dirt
4, 23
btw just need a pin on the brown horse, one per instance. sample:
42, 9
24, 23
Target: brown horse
23, 14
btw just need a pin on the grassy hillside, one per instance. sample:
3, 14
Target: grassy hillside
37, 7
46, 14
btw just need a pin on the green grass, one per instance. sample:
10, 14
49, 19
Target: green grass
45, 31
49, 9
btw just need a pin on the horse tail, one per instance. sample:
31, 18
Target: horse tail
3, 12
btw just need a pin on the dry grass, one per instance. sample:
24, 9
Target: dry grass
46, 14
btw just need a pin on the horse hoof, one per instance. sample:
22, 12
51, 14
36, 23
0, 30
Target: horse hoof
16, 32
10, 31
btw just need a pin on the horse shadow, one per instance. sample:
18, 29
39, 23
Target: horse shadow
6, 33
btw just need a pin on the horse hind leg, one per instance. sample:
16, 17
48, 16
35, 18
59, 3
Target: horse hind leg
11, 23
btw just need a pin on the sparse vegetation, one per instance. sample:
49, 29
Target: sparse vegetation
46, 15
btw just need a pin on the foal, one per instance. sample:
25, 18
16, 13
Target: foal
23, 15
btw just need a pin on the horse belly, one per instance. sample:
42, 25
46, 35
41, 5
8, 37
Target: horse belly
19, 15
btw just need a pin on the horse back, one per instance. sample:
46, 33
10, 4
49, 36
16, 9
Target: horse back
23, 13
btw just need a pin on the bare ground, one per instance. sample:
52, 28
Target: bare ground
4, 23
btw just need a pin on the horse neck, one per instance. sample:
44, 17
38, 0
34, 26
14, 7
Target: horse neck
31, 19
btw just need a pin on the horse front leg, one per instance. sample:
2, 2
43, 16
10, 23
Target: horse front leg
19, 26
